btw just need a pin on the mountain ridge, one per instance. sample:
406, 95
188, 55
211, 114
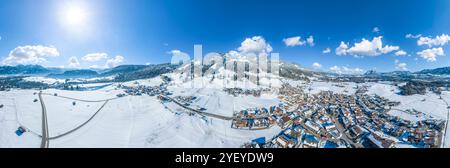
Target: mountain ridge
290, 70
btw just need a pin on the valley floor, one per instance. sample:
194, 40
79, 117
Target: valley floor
143, 121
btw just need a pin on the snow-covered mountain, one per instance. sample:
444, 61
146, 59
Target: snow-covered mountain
226, 71
437, 71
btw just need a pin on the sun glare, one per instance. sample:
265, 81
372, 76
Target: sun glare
75, 16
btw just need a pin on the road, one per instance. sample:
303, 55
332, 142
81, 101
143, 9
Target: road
200, 112
446, 123
80, 126
45, 136
45, 142
210, 114
88, 101
344, 136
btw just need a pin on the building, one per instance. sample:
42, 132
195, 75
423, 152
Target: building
375, 141
310, 141
312, 126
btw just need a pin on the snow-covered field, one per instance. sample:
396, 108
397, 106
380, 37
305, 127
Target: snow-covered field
408, 116
144, 82
342, 87
132, 121
319, 86
43, 80
429, 103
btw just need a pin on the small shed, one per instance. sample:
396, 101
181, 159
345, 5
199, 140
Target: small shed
260, 140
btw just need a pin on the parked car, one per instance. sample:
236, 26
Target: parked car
20, 131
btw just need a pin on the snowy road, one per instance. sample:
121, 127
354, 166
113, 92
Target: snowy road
45, 134
210, 114
200, 112
446, 124
45, 141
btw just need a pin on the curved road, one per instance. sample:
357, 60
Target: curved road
81, 125
45, 140
45, 133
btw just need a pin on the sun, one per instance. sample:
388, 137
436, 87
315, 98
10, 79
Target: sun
76, 19
75, 16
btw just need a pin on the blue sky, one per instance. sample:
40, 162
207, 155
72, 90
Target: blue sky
107, 33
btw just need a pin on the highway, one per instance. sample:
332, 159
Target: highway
45, 142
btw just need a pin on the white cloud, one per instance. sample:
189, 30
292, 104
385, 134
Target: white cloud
388, 49
177, 52
294, 41
73, 62
400, 66
400, 53
256, 45
437, 41
342, 49
297, 41
310, 41
30, 54
316, 65
366, 48
346, 70
326, 51
413, 36
376, 30
111, 63
94, 57
431, 54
